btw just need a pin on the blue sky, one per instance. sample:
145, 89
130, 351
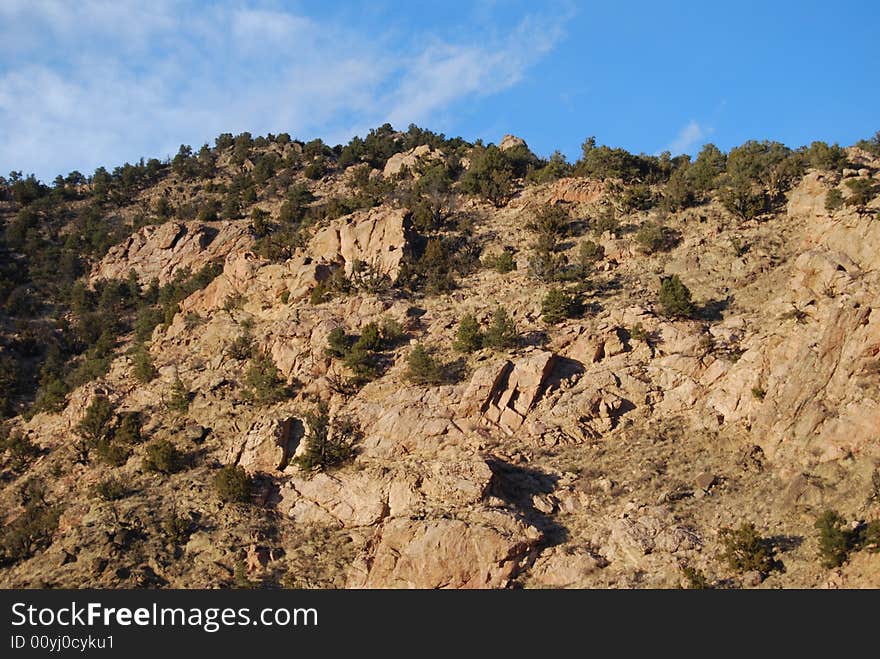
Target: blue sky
101, 82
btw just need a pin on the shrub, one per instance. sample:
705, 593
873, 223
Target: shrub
368, 276
177, 528
146, 322
28, 533
589, 254
233, 484
696, 580
363, 363
675, 298
551, 221
315, 170
143, 368
434, 267
822, 156
327, 447
111, 489
242, 347
504, 262
746, 551
264, 382
370, 338
833, 200
680, 191
163, 457
547, 265
128, 432
468, 338
870, 537
835, 540
653, 237
741, 199
501, 333
178, 401
862, 191
338, 343
633, 198
871, 145
93, 427
423, 368
392, 333
606, 221
490, 176
112, 453
560, 304
600, 162
21, 450
95, 423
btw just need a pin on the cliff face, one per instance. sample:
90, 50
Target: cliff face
605, 451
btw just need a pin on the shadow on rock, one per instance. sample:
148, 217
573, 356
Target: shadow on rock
529, 493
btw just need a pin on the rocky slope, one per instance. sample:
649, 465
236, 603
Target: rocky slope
605, 451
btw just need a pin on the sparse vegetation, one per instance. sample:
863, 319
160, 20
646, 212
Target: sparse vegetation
62, 327
423, 368
834, 200
263, 382
163, 457
746, 551
501, 333
233, 484
559, 304
328, 446
468, 337
111, 489
675, 298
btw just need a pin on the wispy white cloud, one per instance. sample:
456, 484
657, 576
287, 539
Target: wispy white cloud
688, 137
99, 82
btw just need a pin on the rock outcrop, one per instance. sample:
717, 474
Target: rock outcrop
413, 161
576, 191
159, 252
379, 237
502, 394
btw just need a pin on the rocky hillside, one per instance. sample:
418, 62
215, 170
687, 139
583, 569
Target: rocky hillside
416, 362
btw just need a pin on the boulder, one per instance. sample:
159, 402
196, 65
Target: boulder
445, 553
268, 446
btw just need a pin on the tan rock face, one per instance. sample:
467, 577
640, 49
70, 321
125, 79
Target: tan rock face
576, 191
380, 237
503, 394
160, 251
511, 142
268, 445
807, 388
445, 553
256, 285
649, 531
559, 569
412, 160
